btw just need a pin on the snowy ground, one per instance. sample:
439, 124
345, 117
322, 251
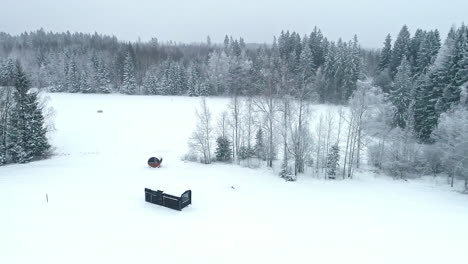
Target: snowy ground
97, 213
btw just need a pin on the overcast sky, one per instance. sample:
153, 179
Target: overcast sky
254, 20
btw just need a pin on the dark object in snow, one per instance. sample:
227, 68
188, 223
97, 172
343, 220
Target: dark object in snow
170, 201
100, 111
155, 162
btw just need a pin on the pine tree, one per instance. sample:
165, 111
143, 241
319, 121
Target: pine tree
400, 94
386, 54
401, 49
333, 161
129, 84
223, 149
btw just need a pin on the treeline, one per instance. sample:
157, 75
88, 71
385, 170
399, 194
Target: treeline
412, 121
423, 77
86, 63
426, 84
22, 122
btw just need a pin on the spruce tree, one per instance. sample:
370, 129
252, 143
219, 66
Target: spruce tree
203, 88
400, 94
101, 77
431, 89
38, 142
259, 146
401, 49
223, 149
333, 161
307, 63
2, 155
26, 131
445, 81
427, 52
85, 85
129, 84
73, 80
286, 172
318, 46
150, 82
246, 153
162, 85
193, 83
415, 46
18, 145
386, 54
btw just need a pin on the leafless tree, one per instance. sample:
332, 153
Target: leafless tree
201, 138
235, 108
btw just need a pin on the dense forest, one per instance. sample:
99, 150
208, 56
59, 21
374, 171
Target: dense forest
65, 62
410, 96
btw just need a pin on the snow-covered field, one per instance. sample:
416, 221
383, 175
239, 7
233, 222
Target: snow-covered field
97, 214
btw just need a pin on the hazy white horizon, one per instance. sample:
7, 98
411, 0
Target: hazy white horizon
257, 22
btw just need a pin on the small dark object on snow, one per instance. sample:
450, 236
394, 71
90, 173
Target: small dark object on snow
100, 111
155, 162
170, 201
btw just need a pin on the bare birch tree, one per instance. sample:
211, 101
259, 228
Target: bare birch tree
201, 138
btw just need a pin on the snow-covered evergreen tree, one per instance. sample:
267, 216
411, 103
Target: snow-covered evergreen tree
85, 84
307, 66
415, 47
259, 146
246, 153
333, 160
129, 85
150, 82
38, 142
223, 149
193, 83
386, 54
286, 172
26, 132
400, 95
73, 77
401, 49
101, 77
427, 52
